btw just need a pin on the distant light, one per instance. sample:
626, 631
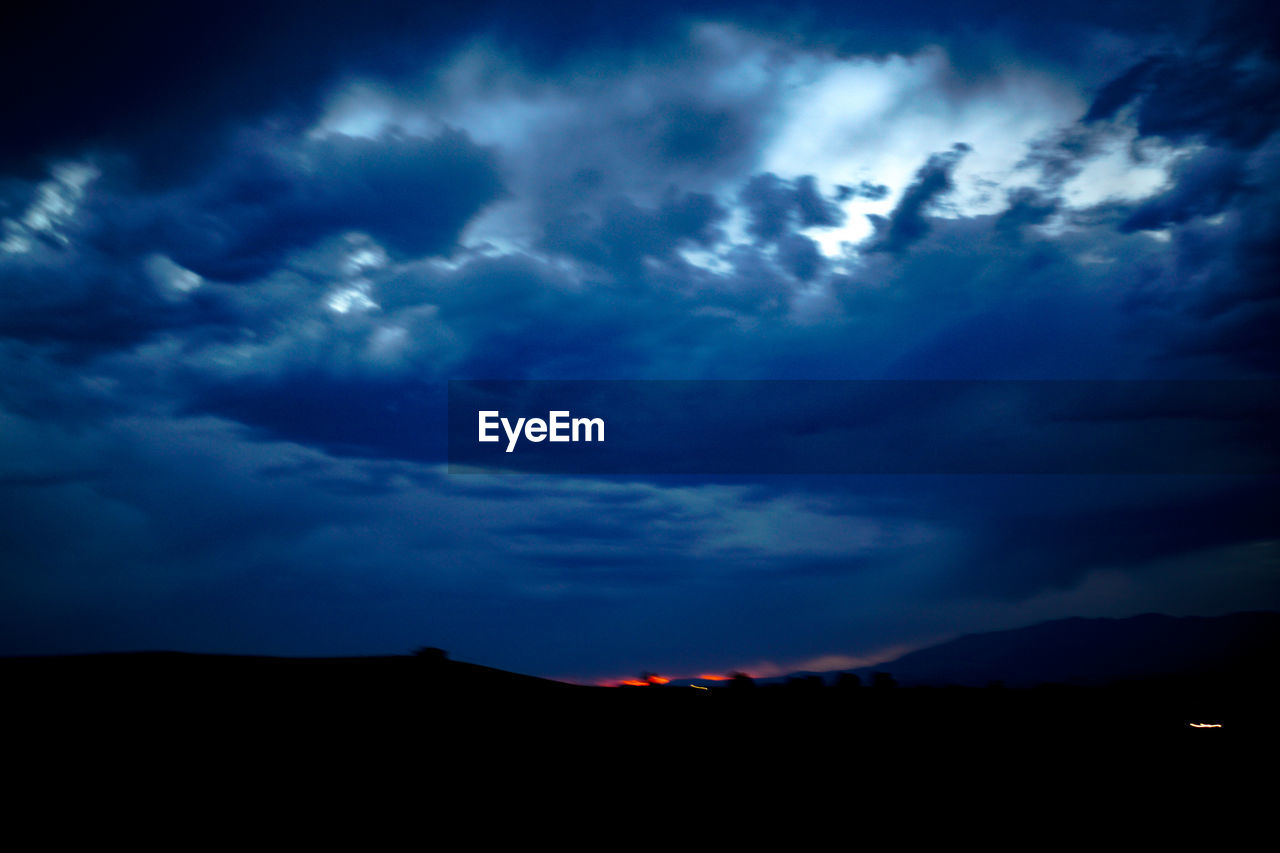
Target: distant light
1205, 725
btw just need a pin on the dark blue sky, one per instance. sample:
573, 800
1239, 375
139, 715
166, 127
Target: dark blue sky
244, 246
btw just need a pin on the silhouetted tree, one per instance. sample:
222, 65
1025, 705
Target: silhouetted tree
848, 681
882, 679
741, 680
431, 655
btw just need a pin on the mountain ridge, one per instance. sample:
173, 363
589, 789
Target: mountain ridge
1092, 651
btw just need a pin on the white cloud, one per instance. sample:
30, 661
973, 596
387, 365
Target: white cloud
55, 204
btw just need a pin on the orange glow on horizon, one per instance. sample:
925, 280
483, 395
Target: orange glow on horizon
657, 680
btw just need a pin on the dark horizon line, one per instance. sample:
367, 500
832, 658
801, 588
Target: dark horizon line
435, 656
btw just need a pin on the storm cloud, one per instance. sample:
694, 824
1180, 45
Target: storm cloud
243, 249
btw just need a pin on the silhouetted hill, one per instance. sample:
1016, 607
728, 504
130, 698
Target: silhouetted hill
1098, 651
217, 702
265, 675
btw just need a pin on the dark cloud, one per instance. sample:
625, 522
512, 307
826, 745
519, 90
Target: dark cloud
1224, 89
170, 84
777, 207
625, 234
1223, 292
1008, 557
866, 189
411, 194
799, 256
1203, 187
1122, 90
908, 222
1026, 207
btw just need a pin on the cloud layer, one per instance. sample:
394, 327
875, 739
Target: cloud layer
241, 253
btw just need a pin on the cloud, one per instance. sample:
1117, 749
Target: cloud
241, 253
1225, 97
776, 207
1203, 186
170, 85
412, 194
907, 223
625, 234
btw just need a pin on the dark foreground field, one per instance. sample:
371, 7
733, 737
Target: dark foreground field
409, 737
178, 698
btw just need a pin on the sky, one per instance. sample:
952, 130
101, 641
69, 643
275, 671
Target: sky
244, 248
